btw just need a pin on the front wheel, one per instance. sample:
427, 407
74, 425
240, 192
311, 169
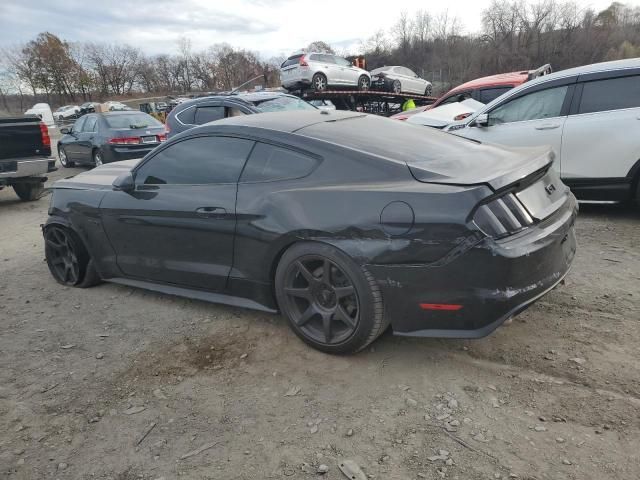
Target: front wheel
64, 160
67, 259
364, 82
332, 303
28, 192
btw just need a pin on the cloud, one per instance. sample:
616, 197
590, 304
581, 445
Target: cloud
156, 23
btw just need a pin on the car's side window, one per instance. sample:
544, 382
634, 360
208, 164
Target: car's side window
196, 161
208, 114
533, 106
187, 116
268, 162
488, 95
408, 72
343, 62
610, 94
90, 124
77, 127
321, 57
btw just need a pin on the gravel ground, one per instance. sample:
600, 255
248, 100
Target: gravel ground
117, 383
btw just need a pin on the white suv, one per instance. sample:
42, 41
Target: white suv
320, 71
590, 116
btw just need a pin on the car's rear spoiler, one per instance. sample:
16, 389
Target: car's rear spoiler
540, 71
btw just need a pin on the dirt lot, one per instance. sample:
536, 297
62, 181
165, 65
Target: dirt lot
117, 383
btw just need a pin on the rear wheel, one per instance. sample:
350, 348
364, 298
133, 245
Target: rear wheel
428, 91
364, 83
331, 302
396, 86
28, 192
97, 158
68, 260
319, 82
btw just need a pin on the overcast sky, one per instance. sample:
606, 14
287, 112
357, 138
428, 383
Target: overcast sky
270, 27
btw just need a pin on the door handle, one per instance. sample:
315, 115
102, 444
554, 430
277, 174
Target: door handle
548, 126
210, 211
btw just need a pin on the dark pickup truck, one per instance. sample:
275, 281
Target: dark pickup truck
25, 155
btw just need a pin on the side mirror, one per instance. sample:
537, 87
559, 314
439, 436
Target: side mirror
124, 183
481, 120
65, 130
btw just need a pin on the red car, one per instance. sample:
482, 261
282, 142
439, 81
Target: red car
485, 89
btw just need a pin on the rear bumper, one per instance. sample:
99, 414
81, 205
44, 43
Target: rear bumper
116, 153
490, 283
299, 77
26, 167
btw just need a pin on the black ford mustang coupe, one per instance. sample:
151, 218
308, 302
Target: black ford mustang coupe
344, 222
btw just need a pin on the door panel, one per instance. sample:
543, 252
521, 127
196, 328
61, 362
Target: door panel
532, 133
601, 145
533, 119
178, 234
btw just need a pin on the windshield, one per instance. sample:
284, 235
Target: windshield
132, 120
281, 104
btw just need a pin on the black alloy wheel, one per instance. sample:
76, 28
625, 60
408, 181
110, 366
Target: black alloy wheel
63, 257
331, 302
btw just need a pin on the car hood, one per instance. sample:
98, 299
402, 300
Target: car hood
440, 117
99, 178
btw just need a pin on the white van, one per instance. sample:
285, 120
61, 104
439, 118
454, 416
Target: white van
43, 110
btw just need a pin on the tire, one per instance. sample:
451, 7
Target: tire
319, 82
97, 157
338, 313
64, 160
68, 260
28, 192
396, 86
364, 83
428, 91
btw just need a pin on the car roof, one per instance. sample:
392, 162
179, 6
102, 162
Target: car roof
287, 122
585, 69
511, 78
243, 97
117, 112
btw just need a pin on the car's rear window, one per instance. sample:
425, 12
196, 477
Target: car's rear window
280, 104
292, 60
132, 120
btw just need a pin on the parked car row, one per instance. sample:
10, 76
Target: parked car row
321, 71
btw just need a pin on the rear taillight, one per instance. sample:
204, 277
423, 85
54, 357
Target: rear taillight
162, 137
44, 134
125, 141
503, 216
401, 117
303, 61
